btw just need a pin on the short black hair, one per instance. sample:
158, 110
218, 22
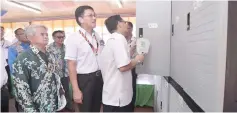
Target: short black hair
112, 22
58, 31
130, 24
2, 27
80, 11
17, 30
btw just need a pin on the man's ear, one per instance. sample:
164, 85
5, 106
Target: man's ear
119, 25
81, 20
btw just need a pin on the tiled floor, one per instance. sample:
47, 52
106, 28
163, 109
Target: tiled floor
137, 109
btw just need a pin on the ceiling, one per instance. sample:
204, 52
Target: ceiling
64, 9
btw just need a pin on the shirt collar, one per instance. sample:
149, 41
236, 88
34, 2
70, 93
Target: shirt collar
34, 49
24, 44
84, 31
118, 34
54, 44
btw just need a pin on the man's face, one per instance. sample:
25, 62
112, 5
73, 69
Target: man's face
40, 38
89, 18
123, 27
2, 32
20, 35
59, 38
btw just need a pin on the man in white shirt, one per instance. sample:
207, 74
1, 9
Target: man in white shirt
82, 50
4, 78
5, 43
116, 67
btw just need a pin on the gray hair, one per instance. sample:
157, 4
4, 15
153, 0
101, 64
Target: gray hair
31, 29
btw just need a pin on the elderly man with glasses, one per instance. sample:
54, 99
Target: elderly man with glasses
36, 82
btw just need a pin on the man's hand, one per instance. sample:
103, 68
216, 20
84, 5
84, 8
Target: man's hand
77, 96
140, 57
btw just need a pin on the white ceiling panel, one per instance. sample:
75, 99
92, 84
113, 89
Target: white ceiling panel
63, 9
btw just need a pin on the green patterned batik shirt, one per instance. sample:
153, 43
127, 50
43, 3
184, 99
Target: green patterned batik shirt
36, 85
59, 54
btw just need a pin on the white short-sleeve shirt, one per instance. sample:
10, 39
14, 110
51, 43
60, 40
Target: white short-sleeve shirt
78, 49
117, 89
6, 44
3, 72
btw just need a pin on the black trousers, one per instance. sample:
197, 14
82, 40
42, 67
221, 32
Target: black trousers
4, 99
108, 108
134, 82
9, 85
91, 86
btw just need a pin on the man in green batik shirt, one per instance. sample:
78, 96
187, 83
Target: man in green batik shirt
36, 85
57, 49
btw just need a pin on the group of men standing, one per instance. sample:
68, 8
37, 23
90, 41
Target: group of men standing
99, 74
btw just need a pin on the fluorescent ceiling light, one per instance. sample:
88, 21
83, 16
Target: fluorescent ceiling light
119, 3
23, 6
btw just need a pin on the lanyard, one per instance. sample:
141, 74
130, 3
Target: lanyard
95, 50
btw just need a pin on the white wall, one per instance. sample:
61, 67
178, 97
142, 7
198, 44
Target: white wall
198, 56
157, 61
176, 102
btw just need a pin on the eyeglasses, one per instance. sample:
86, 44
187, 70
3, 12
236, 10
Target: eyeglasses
21, 34
60, 37
91, 15
44, 34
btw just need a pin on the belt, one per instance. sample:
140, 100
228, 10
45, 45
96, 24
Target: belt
97, 73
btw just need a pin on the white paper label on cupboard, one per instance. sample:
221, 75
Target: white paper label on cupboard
143, 45
152, 25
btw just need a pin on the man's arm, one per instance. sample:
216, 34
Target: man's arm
12, 55
71, 57
133, 63
72, 64
122, 58
21, 86
130, 66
